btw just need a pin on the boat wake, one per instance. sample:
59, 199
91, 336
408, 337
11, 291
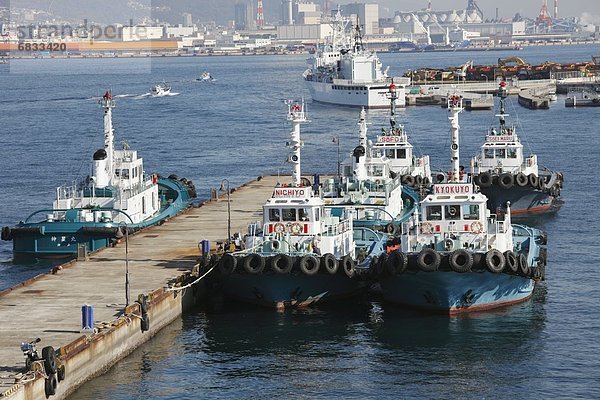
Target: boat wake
146, 95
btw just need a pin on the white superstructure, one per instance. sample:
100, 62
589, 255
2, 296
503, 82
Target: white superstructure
117, 189
343, 72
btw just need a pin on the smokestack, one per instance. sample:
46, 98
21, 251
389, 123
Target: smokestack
497, 14
555, 9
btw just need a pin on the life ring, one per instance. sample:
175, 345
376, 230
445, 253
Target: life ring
476, 227
461, 260
521, 179
279, 228
49, 357
506, 181
329, 263
282, 263
349, 266
494, 261
296, 228
485, 179
309, 265
396, 262
227, 264
426, 228
428, 260
254, 263
512, 266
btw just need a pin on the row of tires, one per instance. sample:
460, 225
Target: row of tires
508, 180
55, 372
461, 261
309, 265
191, 188
415, 181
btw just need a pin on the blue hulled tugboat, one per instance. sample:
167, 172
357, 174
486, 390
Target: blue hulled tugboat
117, 195
455, 256
302, 252
503, 173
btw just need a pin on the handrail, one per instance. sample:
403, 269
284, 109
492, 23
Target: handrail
68, 209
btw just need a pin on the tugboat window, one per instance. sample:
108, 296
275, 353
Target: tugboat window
303, 214
401, 153
434, 213
289, 214
500, 153
488, 153
512, 153
317, 214
390, 154
125, 174
452, 212
470, 211
274, 214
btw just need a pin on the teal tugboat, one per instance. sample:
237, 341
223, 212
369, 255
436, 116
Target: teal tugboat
117, 195
301, 253
456, 256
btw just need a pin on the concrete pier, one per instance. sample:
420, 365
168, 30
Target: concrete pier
160, 258
534, 99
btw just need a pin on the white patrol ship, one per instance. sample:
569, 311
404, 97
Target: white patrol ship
503, 173
343, 72
460, 256
301, 253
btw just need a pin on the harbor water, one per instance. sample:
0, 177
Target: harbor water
235, 129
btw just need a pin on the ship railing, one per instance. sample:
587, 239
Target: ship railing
337, 228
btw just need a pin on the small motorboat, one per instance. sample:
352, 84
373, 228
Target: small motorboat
162, 89
206, 77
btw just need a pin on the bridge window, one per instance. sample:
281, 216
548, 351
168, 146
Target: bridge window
434, 213
470, 211
390, 153
274, 215
512, 153
452, 211
500, 153
401, 153
288, 214
488, 153
303, 214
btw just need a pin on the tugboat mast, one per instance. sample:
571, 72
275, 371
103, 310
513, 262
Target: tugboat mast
455, 107
503, 94
296, 116
107, 103
393, 96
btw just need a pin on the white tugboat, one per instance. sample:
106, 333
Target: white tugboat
160, 90
504, 174
301, 253
206, 77
458, 256
117, 192
369, 189
343, 72
393, 143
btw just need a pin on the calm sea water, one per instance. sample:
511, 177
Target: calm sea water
235, 128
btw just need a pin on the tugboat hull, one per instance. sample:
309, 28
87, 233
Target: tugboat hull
523, 201
60, 239
289, 290
454, 293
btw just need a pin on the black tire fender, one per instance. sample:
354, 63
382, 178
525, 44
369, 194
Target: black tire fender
50, 385
227, 264
485, 179
494, 261
521, 179
429, 260
511, 266
461, 260
349, 266
49, 357
506, 181
282, 263
309, 265
329, 263
254, 263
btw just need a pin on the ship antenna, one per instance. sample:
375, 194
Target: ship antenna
296, 115
455, 107
107, 103
393, 96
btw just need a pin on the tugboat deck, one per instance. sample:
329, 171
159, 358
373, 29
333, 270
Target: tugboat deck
49, 306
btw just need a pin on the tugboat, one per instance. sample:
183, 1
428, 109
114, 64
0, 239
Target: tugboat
117, 195
369, 188
206, 77
301, 253
455, 256
160, 90
393, 143
343, 72
503, 173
